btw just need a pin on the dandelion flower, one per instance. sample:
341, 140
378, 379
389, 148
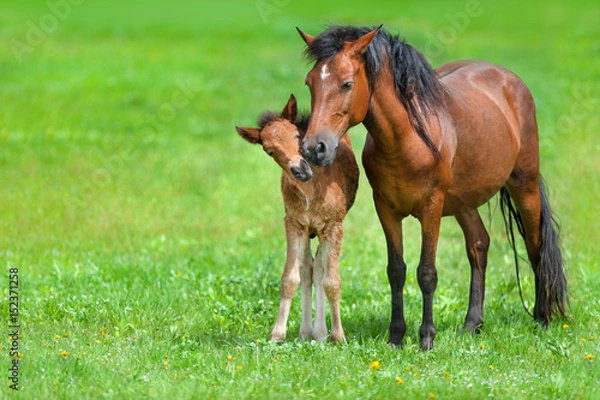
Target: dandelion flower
165, 363
406, 368
229, 357
63, 353
66, 334
432, 395
56, 337
566, 326
416, 373
491, 367
446, 374
238, 367
583, 340
589, 356
375, 365
102, 332
399, 380
166, 356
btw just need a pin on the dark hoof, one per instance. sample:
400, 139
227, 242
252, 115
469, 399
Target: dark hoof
473, 329
427, 343
395, 341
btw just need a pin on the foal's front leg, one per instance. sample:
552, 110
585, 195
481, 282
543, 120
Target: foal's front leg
298, 262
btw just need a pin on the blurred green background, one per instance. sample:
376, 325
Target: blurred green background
131, 205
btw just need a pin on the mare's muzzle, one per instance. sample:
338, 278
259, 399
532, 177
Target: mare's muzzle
320, 149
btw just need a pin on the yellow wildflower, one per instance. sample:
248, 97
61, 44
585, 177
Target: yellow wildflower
491, 367
446, 374
589, 356
375, 365
63, 353
399, 380
583, 340
239, 367
56, 337
566, 326
102, 332
416, 373
432, 395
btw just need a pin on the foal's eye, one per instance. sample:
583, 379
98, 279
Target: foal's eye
347, 85
270, 153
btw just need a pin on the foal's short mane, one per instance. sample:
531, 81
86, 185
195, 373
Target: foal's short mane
269, 116
417, 84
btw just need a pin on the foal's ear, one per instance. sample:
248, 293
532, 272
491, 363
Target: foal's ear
359, 46
306, 37
290, 111
251, 135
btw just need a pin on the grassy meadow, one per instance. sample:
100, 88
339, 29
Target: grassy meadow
149, 237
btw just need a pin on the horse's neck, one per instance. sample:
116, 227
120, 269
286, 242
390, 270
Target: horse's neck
387, 120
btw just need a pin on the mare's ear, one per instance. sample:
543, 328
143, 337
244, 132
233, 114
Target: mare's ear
360, 45
251, 135
306, 37
290, 111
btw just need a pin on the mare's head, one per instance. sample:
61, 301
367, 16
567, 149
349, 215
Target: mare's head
339, 88
348, 62
280, 138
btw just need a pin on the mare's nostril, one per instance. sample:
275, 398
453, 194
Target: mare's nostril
321, 148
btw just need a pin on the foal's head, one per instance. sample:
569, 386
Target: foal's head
339, 88
280, 139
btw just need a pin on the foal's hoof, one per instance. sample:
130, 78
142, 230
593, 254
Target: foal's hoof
277, 336
338, 338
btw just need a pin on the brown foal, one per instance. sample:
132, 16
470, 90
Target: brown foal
316, 202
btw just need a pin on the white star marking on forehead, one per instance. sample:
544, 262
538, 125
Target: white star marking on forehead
324, 72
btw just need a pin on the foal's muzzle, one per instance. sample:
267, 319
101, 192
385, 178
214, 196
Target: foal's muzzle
301, 171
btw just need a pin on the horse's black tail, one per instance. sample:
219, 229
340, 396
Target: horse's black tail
550, 281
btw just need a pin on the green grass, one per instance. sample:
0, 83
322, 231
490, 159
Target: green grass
151, 252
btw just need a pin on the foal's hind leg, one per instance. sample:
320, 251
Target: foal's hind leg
298, 258
477, 242
328, 284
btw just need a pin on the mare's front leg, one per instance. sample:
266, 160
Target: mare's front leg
298, 261
329, 283
430, 218
396, 268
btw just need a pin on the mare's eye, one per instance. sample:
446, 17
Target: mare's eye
347, 85
270, 153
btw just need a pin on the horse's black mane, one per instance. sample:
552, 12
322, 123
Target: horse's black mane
269, 116
416, 82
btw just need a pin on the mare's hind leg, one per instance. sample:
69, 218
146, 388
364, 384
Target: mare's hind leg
298, 257
477, 242
526, 196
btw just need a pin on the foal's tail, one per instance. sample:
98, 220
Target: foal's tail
550, 280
